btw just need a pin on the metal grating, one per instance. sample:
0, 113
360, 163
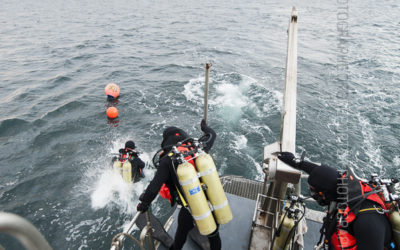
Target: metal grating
242, 187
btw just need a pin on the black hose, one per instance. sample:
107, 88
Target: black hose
278, 230
155, 162
294, 228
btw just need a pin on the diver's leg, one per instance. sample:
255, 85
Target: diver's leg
215, 240
185, 224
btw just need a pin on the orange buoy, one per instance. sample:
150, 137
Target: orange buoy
112, 90
112, 112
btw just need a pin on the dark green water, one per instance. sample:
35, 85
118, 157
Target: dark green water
56, 57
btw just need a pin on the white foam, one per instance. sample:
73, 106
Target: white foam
194, 90
371, 148
231, 95
111, 189
106, 189
396, 161
240, 141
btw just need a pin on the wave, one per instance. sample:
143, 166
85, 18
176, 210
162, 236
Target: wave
171, 67
59, 79
13, 126
64, 109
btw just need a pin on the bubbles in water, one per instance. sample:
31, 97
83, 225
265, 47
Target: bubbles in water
370, 147
111, 189
194, 90
240, 141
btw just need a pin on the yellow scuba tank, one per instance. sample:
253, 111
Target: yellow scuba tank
215, 192
196, 198
117, 166
394, 218
282, 239
127, 171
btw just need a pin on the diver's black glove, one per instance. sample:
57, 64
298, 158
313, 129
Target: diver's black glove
142, 207
203, 125
289, 159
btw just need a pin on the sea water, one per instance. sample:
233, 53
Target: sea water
56, 57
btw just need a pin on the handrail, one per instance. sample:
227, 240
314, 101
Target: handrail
24, 231
117, 243
128, 230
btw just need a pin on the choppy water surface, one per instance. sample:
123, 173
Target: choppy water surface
57, 56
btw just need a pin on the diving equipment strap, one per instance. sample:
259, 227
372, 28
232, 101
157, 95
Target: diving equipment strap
207, 172
203, 216
217, 207
201, 174
181, 197
187, 182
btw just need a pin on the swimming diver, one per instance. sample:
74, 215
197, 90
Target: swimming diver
128, 153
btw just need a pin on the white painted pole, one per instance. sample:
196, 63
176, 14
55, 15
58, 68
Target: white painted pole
208, 65
288, 135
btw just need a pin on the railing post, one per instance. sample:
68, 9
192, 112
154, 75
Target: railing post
149, 231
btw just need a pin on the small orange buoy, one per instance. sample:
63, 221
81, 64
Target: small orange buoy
112, 90
112, 112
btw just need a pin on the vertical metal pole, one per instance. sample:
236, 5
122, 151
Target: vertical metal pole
150, 229
208, 65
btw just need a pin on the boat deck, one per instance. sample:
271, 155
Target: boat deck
242, 195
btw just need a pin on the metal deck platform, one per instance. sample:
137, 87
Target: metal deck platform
235, 234
242, 195
242, 187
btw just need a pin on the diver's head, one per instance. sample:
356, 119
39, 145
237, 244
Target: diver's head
322, 181
129, 145
172, 135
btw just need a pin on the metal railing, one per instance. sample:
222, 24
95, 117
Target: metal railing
23, 231
118, 239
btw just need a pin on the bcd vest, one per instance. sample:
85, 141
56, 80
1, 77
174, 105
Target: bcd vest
341, 238
165, 190
125, 156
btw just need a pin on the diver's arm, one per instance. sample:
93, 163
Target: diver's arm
207, 130
289, 159
137, 162
161, 176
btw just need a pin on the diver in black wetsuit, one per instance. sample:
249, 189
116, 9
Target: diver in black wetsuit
166, 175
129, 153
364, 226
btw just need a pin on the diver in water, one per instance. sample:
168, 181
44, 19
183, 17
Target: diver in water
354, 220
130, 154
166, 181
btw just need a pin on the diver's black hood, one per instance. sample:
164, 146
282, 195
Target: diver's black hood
324, 179
171, 136
130, 145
